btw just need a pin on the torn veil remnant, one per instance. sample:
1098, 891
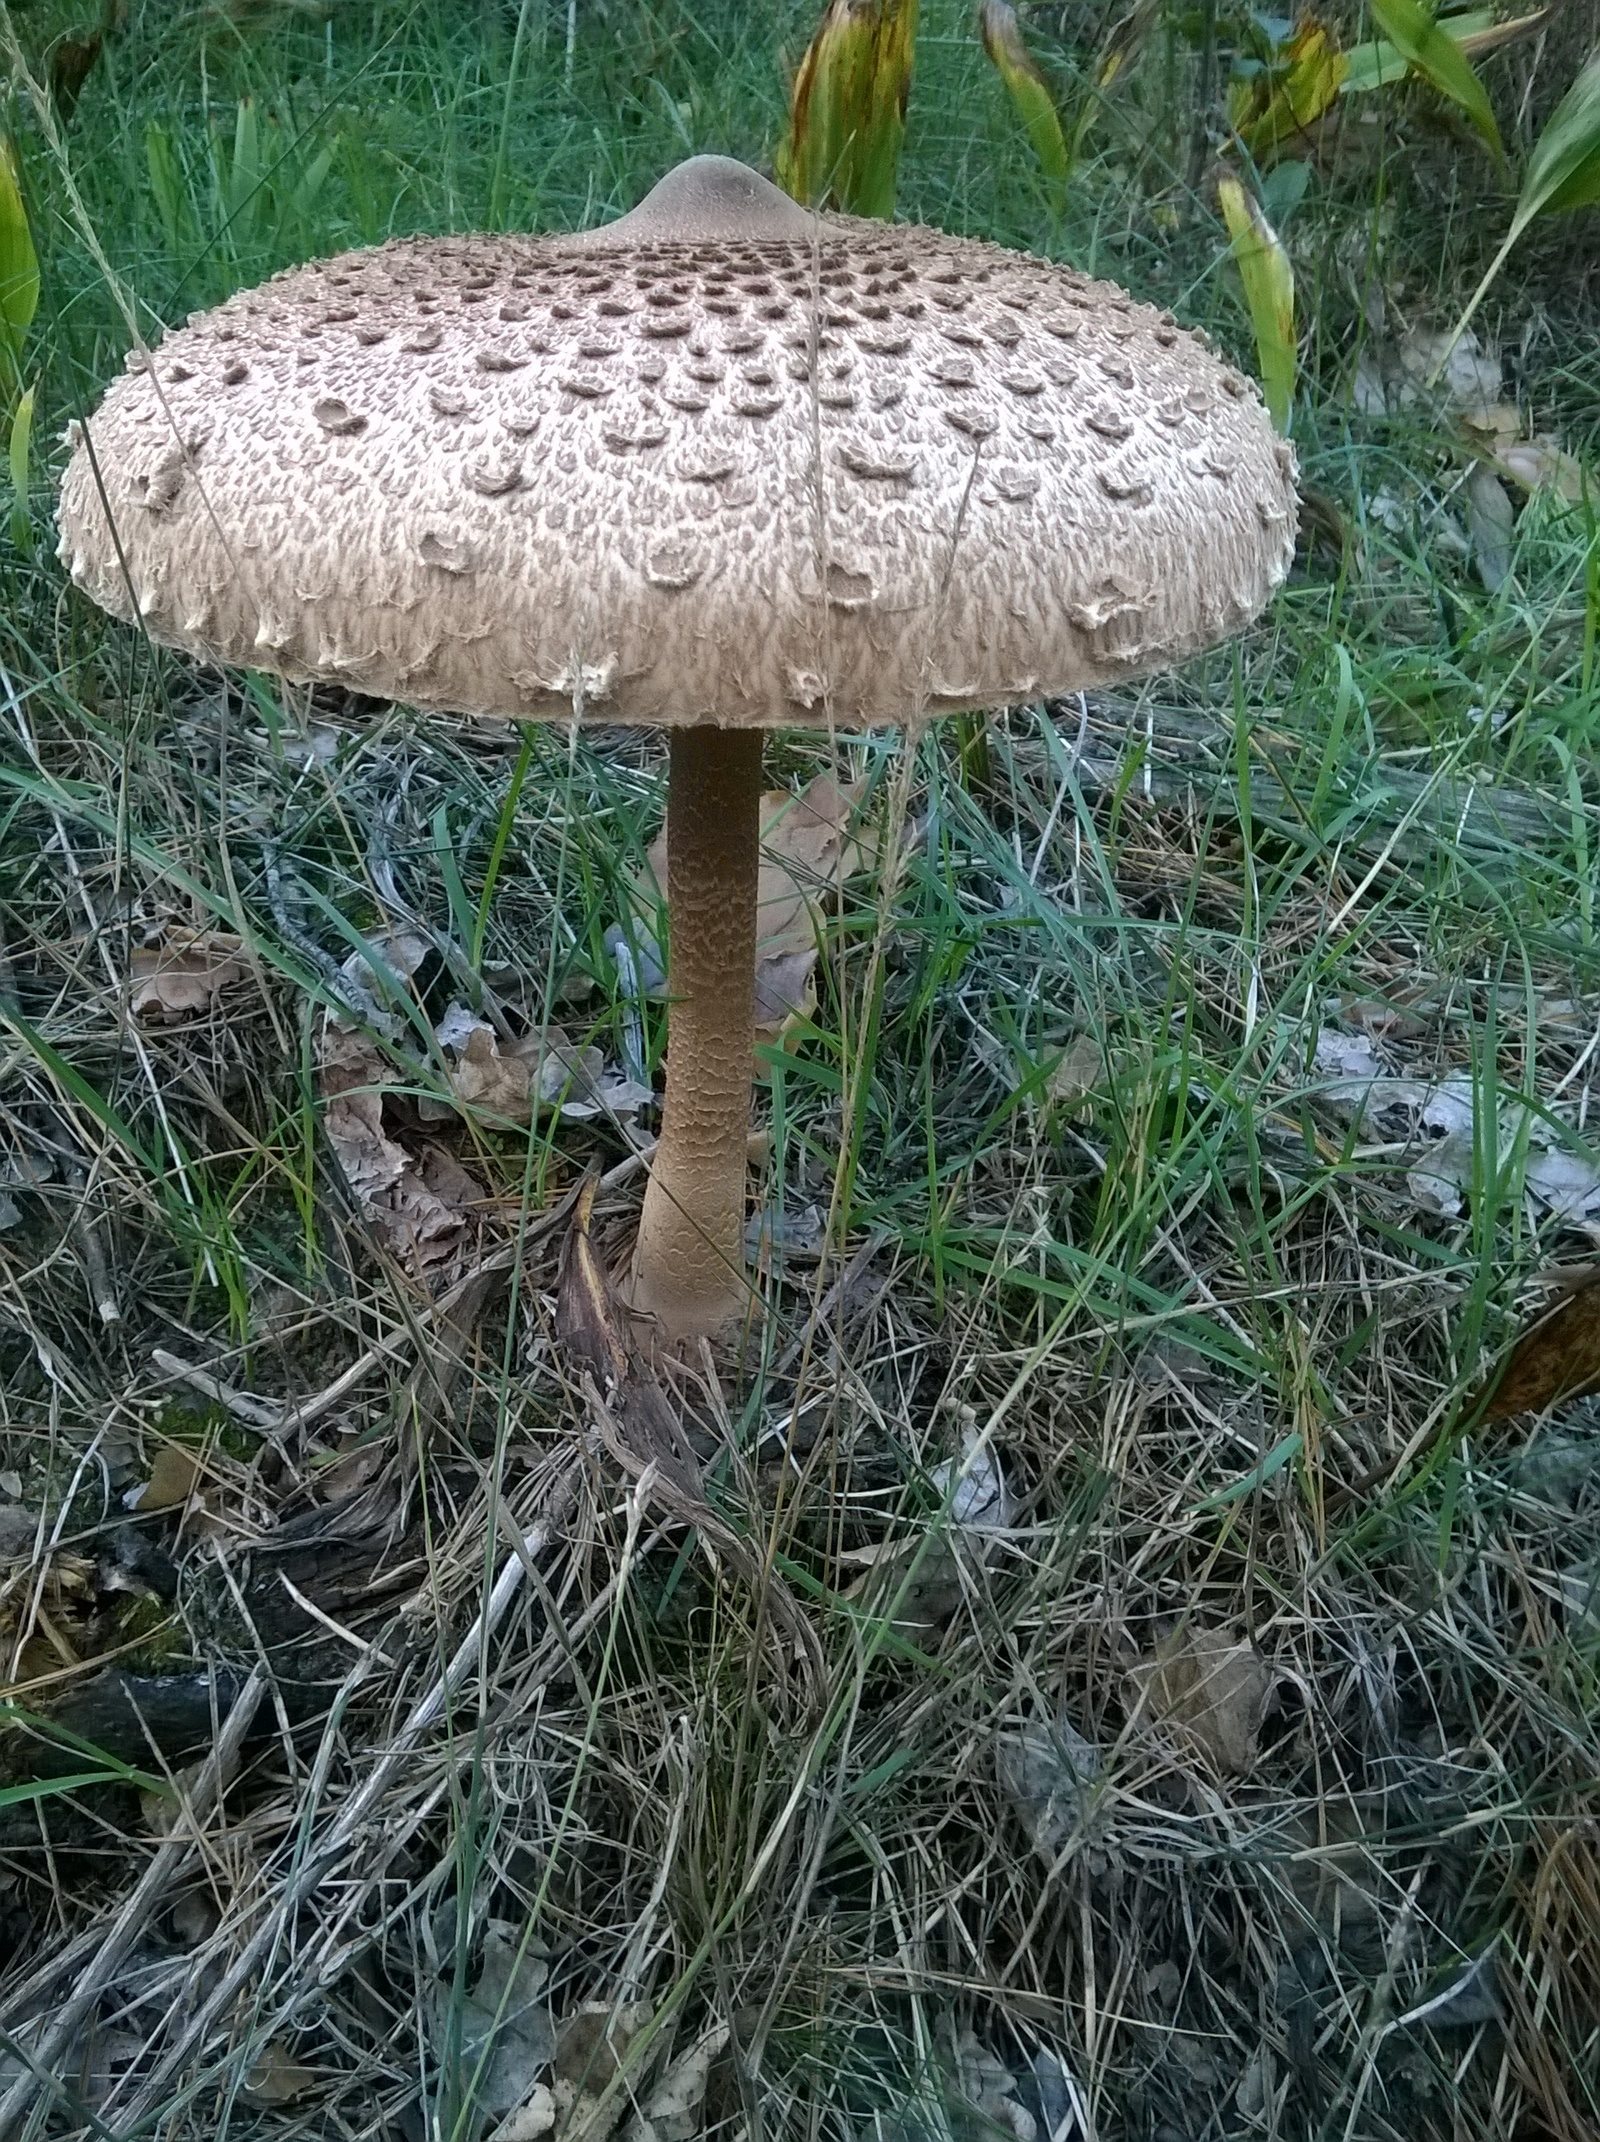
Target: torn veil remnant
723, 465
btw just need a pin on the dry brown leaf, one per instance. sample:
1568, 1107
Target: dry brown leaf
172, 1478
935, 1591
508, 1082
542, 1070
1213, 1690
671, 2112
530, 2122
1534, 462
183, 975
1080, 1071
1491, 524
276, 2077
807, 851
586, 1319
1557, 1355
418, 1204
591, 2046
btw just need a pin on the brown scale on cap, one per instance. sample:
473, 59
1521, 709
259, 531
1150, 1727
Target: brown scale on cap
721, 464
940, 353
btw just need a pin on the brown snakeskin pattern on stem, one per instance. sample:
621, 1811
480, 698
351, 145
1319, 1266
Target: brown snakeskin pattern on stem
688, 1268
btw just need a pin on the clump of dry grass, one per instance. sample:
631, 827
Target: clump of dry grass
1165, 1806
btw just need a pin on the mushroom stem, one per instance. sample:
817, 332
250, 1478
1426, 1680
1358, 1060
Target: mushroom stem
688, 1265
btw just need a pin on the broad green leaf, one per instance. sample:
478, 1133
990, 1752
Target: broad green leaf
18, 448
1030, 93
1268, 292
1564, 169
1269, 110
1436, 56
19, 264
1563, 172
847, 113
1377, 63
1373, 65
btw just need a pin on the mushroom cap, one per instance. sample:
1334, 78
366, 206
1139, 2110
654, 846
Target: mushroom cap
724, 460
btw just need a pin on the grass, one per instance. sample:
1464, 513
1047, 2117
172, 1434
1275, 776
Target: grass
1187, 1301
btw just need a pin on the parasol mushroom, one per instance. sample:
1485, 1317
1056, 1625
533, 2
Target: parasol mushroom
723, 465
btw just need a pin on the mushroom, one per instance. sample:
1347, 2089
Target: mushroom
723, 465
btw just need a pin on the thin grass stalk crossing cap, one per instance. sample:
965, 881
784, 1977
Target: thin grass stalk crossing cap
724, 464
721, 461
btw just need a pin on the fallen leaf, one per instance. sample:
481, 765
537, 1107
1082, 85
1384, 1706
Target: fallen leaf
1556, 1356
530, 2122
276, 2077
1048, 1773
1539, 464
982, 1502
422, 1223
1350, 1064
505, 2031
1470, 1997
1395, 374
591, 2045
990, 2089
1491, 524
671, 2111
173, 1475
1079, 1072
1381, 1017
784, 1231
184, 974
541, 1070
373, 980
934, 1593
1212, 1690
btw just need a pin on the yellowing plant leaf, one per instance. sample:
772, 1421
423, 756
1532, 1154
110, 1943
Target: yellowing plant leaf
18, 453
1030, 93
1269, 110
1431, 52
19, 264
1269, 293
847, 112
1123, 44
1563, 171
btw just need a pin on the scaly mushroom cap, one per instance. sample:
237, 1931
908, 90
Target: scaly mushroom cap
721, 461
